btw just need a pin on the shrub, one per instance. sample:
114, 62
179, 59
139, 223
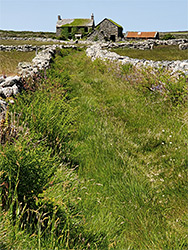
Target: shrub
64, 33
168, 37
96, 38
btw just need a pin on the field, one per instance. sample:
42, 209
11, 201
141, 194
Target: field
97, 160
11, 33
177, 34
159, 53
9, 61
32, 42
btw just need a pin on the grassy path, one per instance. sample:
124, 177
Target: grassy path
120, 153
130, 148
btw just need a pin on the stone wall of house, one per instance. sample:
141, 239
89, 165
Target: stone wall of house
58, 31
96, 35
105, 30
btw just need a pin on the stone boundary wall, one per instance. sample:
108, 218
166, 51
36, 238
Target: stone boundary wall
148, 44
183, 46
22, 48
97, 51
38, 39
12, 85
136, 44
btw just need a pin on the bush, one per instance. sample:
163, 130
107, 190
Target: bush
64, 33
168, 37
96, 38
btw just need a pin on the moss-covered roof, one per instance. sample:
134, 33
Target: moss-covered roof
79, 22
115, 23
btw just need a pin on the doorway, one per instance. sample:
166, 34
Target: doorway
113, 38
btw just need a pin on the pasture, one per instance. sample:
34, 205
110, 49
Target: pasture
159, 53
9, 61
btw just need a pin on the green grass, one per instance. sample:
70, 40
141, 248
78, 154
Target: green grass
120, 153
177, 34
12, 33
159, 53
9, 61
31, 42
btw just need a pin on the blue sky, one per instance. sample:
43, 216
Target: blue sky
133, 15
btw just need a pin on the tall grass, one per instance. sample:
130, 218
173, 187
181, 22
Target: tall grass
159, 53
116, 139
9, 61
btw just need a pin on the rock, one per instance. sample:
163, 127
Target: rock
2, 79
10, 81
6, 92
3, 105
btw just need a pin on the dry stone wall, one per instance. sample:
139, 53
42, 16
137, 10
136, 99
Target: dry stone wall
10, 86
97, 51
147, 44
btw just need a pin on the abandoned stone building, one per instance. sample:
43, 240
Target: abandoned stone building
107, 30
141, 35
74, 28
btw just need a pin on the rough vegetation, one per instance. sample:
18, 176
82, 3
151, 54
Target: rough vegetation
95, 157
159, 53
9, 61
12, 33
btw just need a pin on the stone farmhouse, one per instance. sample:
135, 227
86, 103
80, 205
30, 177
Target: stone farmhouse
74, 28
107, 30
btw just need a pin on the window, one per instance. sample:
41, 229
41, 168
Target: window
86, 29
69, 29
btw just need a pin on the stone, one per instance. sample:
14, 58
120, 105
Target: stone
6, 92
98, 51
10, 81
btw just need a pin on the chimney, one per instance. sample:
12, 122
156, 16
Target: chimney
92, 16
59, 17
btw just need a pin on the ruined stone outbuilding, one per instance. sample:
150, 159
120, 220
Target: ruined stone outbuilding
141, 35
107, 30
